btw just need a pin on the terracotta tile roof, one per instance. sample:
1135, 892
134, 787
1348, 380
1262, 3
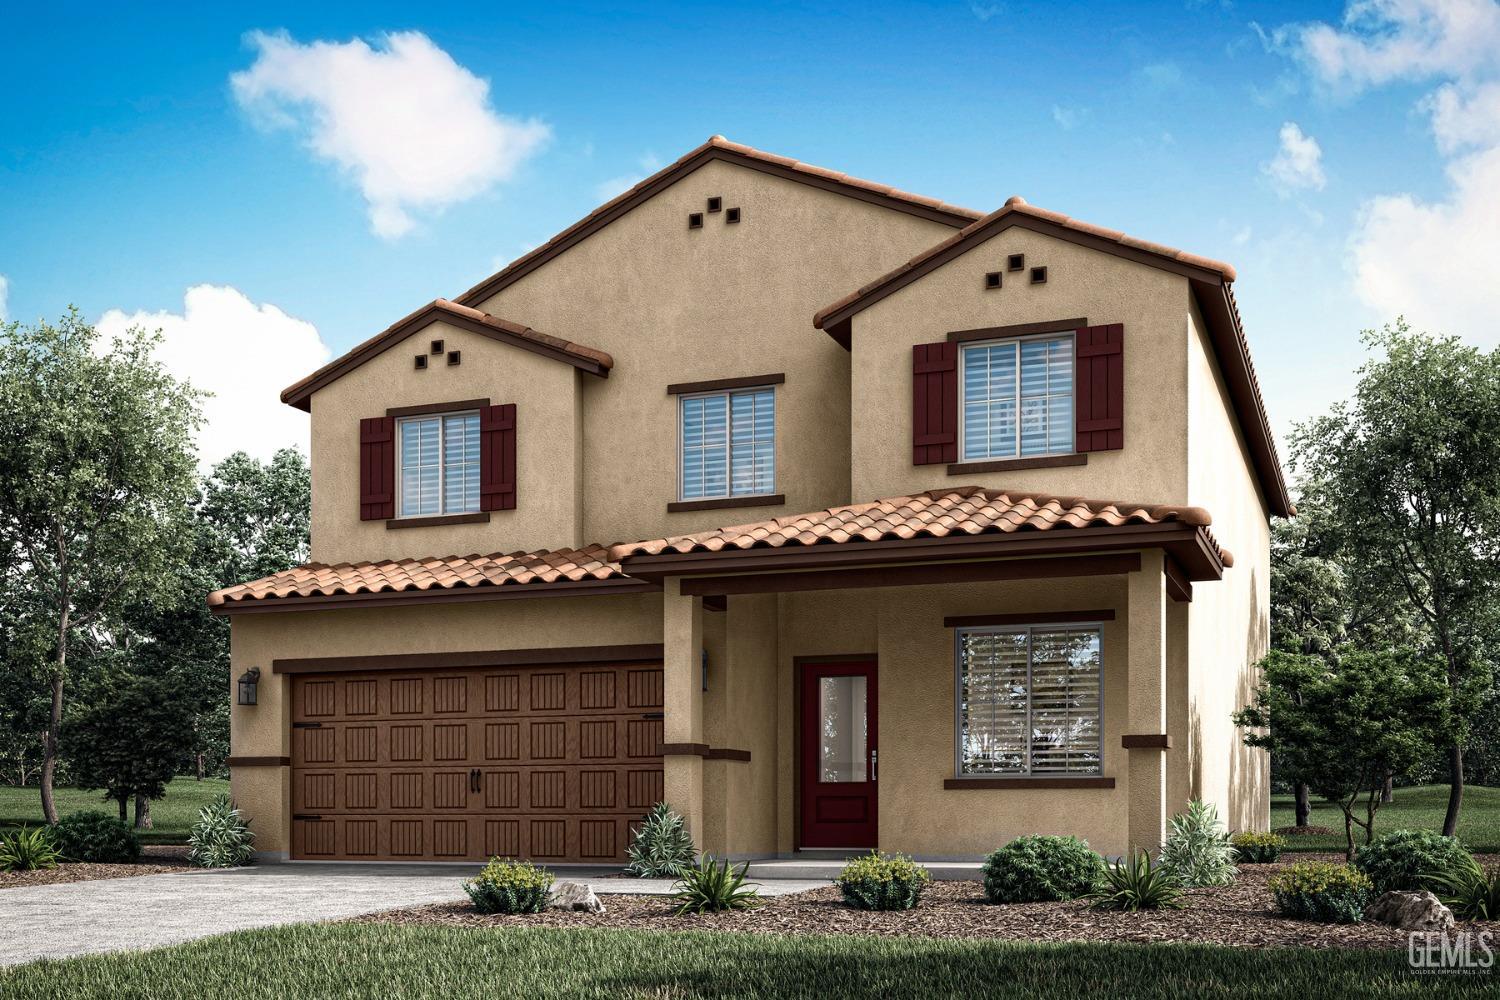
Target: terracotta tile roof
607, 211
965, 510
300, 392
515, 569
1016, 205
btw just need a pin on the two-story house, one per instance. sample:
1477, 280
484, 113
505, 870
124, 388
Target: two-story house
984, 473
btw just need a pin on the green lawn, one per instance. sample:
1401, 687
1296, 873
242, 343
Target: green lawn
382, 960
1418, 808
171, 817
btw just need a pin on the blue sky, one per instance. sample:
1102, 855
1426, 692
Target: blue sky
1340, 158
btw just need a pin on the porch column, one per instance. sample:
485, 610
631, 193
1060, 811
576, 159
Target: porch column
682, 703
1146, 694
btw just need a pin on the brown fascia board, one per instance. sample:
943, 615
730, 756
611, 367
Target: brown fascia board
718, 148
1190, 545
446, 595
587, 359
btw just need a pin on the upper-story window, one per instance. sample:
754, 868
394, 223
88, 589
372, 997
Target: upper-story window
1017, 397
439, 472
728, 444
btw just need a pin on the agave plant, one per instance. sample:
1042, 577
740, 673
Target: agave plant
1199, 851
662, 847
222, 837
711, 886
1136, 884
1471, 892
27, 849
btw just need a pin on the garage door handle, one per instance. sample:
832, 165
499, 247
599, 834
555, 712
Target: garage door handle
475, 779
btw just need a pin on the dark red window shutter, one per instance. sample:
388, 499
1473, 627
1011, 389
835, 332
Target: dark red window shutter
934, 403
1099, 406
497, 457
377, 468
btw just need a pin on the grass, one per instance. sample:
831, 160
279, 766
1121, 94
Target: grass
358, 960
171, 816
1420, 807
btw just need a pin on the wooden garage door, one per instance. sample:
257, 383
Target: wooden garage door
551, 763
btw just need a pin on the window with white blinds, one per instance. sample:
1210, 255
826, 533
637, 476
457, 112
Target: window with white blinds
1029, 701
729, 444
439, 464
1017, 398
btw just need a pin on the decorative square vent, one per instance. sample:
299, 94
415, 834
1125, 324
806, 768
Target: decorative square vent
437, 347
992, 279
1038, 275
454, 357
421, 361
714, 204
732, 215
695, 220
1015, 262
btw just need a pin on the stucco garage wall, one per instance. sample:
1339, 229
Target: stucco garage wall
1081, 284
257, 640
904, 625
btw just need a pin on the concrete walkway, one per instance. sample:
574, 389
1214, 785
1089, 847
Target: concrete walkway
81, 918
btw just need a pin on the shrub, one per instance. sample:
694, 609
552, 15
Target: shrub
1258, 848
96, 837
1471, 892
222, 837
883, 882
662, 847
711, 886
27, 850
1322, 890
1136, 884
1402, 859
509, 887
1197, 851
1041, 870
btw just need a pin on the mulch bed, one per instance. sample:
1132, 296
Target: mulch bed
155, 860
1240, 914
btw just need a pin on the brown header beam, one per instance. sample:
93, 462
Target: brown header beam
1016, 330
1147, 741
1042, 618
640, 653
450, 407
713, 384
1014, 784
905, 576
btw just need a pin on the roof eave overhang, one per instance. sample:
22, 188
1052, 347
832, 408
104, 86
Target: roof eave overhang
446, 595
1191, 547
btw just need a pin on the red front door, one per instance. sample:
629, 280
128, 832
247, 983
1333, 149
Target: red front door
838, 755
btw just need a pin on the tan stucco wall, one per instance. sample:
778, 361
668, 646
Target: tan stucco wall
545, 392
1229, 624
678, 305
1081, 283
264, 730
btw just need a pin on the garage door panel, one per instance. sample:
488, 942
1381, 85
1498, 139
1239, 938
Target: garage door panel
549, 763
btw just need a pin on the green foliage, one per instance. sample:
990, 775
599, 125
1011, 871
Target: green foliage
1323, 891
710, 887
1402, 859
27, 849
1041, 869
96, 837
883, 882
662, 847
1197, 851
510, 887
1135, 884
1256, 848
222, 837
1471, 892
1342, 731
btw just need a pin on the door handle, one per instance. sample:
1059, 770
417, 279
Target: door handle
475, 778
874, 760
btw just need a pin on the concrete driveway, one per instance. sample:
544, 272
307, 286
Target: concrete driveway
82, 918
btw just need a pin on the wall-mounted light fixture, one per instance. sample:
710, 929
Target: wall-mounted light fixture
247, 685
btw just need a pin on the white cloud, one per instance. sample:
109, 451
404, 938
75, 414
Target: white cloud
1161, 76
244, 354
1380, 41
1464, 117
4, 299
986, 11
1068, 119
413, 128
605, 190
1298, 163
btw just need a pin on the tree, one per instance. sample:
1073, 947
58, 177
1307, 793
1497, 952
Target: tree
1410, 472
129, 735
1344, 730
96, 478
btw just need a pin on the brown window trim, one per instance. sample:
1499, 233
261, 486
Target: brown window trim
1042, 618
1016, 330
477, 517
724, 503
1079, 781
450, 407
1147, 741
741, 382
1018, 464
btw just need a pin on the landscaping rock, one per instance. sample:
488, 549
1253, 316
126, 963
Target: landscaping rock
1410, 911
575, 896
